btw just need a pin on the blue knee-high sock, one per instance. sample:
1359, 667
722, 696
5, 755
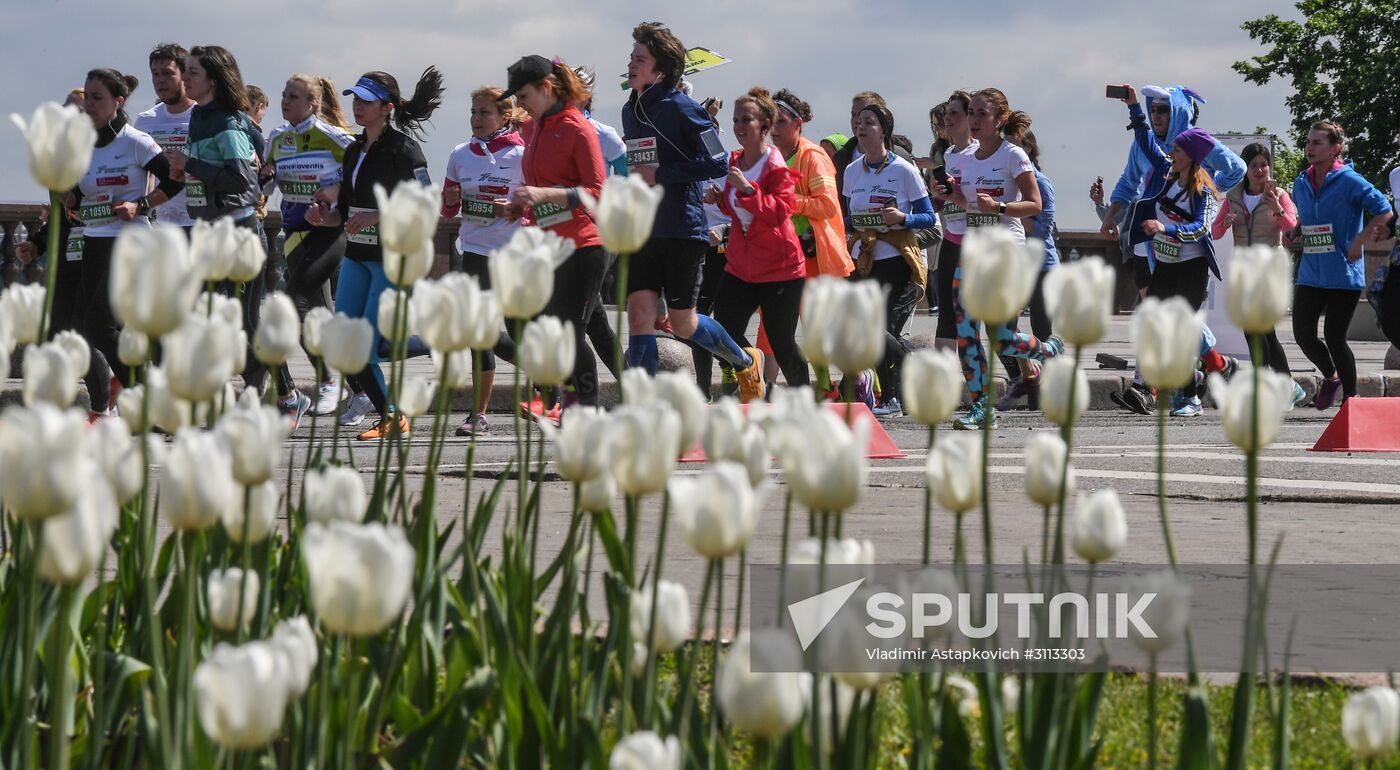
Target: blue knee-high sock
712, 337
641, 352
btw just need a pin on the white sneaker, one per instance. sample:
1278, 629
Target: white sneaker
329, 397
356, 410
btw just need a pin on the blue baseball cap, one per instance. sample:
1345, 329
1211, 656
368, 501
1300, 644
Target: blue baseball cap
368, 90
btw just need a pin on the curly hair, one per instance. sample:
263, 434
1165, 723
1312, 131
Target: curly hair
666, 47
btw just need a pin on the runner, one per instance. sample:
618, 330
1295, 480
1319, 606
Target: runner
1241, 214
169, 122
1384, 294
850, 150
960, 144
1026, 384
765, 268
672, 142
481, 173
998, 188
600, 332
111, 196
385, 154
935, 159
832, 144
304, 156
888, 204
1333, 202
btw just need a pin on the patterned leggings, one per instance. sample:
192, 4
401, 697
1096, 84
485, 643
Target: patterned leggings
1009, 342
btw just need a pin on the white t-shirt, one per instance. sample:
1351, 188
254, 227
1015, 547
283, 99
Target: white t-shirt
1395, 189
484, 177
869, 189
170, 132
995, 175
753, 175
117, 174
609, 141
1251, 202
1166, 248
954, 216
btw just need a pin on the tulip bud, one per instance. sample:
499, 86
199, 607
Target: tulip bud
998, 273
764, 705
716, 511
200, 356
646, 751
1046, 455
547, 351
933, 385
49, 375
1100, 527
1371, 722
241, 693
1259, 288
1079, 300
641, 447
257, 515
843, 323
153, 280
827, 470
522, 271
311, 328
453, 370
954, 470
408, 219
1057, 376
576, 442
74, 541
167, 412
345, 343
676, 390
133, 348
596, 494
406, 269
626, 211
24, 307
416, 396
453, 313
1236, 401
360, 575
40, 446
335, 493
295, 640
1167, 339
962, 691
249, 256
196, 484
214, 247
254, 434
224, 589
279, 328
1167, 614
672, 616
391, 325
59, 140
118, 457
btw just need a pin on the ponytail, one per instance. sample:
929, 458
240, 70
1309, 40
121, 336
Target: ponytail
329, 108
568, 87
1017, 130
118, 85
427, 97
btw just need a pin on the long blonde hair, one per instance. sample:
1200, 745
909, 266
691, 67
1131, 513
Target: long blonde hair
324, 102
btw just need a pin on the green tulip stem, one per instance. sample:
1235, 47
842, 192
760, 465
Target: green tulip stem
51, 270
623, 261
988, 415
928, 505
190, 579
680, 724
60, 750
739, 598
783, 556
519, 439
1162, 482
649, 694
1066, 435
31, 536
1152, 714
245, 551
714, 659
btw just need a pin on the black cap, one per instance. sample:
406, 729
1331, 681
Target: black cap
886, 120
530, 69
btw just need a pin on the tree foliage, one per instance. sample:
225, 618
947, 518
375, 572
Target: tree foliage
1343, 61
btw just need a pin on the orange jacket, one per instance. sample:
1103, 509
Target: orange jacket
820, 201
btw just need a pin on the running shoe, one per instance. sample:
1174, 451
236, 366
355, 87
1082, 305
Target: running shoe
295, 408
728, 382
890, 409
751, 379
1232, 367
865, 388
932, 310
1182, 406
1327, 394
474, 425
1017, 390
382, 429
328, 397
1136, 398
1299, 397
356, 410
1054, 346
975, 417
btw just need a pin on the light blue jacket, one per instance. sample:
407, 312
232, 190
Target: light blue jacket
1344, 201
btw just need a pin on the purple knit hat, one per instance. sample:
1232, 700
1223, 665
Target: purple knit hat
1196, 143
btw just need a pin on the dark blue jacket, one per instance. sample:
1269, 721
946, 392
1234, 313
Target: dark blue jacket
682, 129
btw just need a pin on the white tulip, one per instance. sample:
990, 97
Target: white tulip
846, 642
254, 433
1371, 722
295, 640
408, 268
998, 273
24, 306
754, 455
360, 575
1167, 340
75, 541
763, 704
785, 417
259, 516
7, 339
1259, 287
672, 616
930, 580
50, 376
196, 483
408, 219
224, 589
596, 495
1056, 378
153, 280
646, 751
453, 370
639, 659
388, 321
626, 211
453, 313
717, 510
214, 246
847, 552
676, 389
1236, 401
118, 456
1046, 455
1100, 527
279, 330
312, 327
819, 706
59, 141
335, 493
1079, 300
1010, 693
826, 471
133, 347
221, 307
200, 356
724, 425
843, 323
40, 446
249, 256
1167, 614
962, 691
576, 442
640, 450
241, 693
167, 412
522, 271
933, 385
416, 396
954, 470
547, 350
346, 343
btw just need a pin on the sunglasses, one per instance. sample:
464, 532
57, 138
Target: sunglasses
1161, 109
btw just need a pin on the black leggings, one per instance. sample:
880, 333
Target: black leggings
710, 273
949, 255
250, 296
781, 302
1332, 357
1189, 280
478, 267
1040, 320
601, 334
576, 286
89, 312
1274, 356
311, 269
901, 297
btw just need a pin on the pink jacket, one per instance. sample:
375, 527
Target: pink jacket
769, 251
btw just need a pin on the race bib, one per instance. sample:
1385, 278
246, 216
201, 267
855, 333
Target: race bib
1319, 239
73, 248
298, 186
195, 195
978, 219
1165, 249
642, 152
368, 236
479, 209
954, 214
550, 214
97, 210
867, 220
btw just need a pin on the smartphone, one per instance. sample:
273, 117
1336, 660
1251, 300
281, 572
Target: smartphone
940, 173
1115, 92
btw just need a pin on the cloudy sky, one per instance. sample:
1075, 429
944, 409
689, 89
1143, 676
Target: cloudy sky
1052, 58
